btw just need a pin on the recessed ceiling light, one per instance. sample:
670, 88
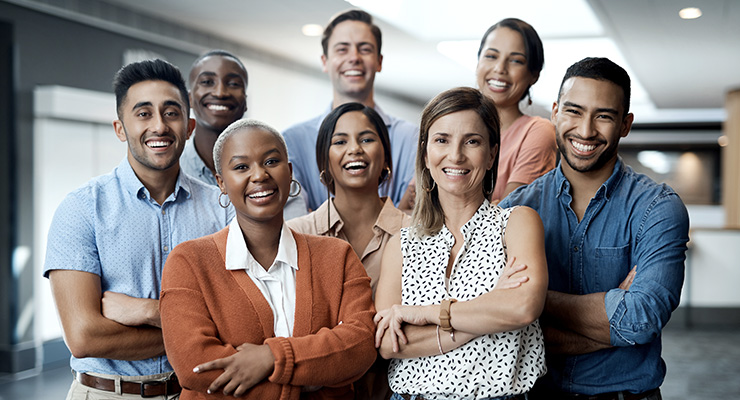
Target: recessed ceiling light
312, 30
690, 13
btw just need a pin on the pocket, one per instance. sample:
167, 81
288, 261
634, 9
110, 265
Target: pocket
612, 266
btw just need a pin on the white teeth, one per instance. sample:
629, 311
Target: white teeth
217, 107
583, 147
261, 194
496, 83
355, 164
158, 143
352, 73
454, 171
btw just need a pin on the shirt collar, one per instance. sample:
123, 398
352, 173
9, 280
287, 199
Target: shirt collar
239, 257
608, 187
388, 219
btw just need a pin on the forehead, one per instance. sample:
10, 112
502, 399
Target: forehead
219, 65
353, 118
503, 37
155, 92
352, 32
461, 122
592, 93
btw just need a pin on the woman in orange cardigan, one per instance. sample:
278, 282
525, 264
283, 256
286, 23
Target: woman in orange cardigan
257, 310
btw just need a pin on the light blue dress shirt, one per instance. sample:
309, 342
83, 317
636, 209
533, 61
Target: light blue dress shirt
630, 221
301, 140
113, 228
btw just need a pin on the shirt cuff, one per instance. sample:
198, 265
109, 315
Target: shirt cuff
615, 312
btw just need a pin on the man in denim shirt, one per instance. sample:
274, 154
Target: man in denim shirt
615, 243
110, 238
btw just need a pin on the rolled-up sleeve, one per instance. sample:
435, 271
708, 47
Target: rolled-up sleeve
637, 316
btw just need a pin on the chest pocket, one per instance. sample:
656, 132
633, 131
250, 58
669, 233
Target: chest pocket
613, 265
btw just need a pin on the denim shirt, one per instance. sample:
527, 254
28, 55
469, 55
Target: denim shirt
301, 142
112, 227
630, 221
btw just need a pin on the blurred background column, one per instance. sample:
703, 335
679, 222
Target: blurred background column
731, 161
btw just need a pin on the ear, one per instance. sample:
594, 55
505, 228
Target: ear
494, 150
290, 166
190, 98
380, 63
191, 126
221, 183
627, 124
120, 131
323, 64
554, 112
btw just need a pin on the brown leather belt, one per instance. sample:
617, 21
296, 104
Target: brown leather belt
144, 389
419, 397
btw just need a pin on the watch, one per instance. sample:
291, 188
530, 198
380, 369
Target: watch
444, 314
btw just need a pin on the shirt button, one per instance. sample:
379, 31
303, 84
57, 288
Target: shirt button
575, 248
162, 212
166, 248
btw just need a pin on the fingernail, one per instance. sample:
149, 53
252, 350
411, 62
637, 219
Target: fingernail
196, 370
209, 391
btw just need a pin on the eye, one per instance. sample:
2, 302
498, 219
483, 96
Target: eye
272, 161
366, 49
171, 114
491, 56
240, 167
607, 117
518, 61
206, 82
339, 142
236, 84
473, 141
572, 111
440, 140
367, 140
143, 114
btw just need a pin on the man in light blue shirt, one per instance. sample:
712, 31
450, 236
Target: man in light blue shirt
351, 45
109, 240
615, 243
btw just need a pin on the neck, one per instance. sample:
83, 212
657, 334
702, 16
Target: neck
159, 183
262, 238
584, 185
356, 206
458, 210
204, 139
507, 116
364, 98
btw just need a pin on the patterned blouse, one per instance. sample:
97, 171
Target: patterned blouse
492, 365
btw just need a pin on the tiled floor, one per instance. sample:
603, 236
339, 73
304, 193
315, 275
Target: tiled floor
702, 365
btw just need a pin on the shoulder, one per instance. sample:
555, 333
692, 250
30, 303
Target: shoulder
640, 189
305, 224
539, 128
530, 194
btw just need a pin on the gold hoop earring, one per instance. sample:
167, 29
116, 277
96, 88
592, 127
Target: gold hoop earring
432, 187
300, 188
387, 176
322, 178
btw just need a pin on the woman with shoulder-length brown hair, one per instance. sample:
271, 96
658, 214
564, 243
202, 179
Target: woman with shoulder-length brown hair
457, 314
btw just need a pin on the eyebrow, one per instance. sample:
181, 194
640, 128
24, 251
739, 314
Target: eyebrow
598, 110
515, 53
268, 152
351, 44
364, 132
167, 103
229, 75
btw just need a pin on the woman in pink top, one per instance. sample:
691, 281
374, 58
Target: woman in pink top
510, 59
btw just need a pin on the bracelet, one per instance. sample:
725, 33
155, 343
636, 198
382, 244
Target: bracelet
452, 335
444, 314
439, 342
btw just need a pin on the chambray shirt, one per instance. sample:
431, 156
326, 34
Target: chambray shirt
301, 141
630, 221
113, 228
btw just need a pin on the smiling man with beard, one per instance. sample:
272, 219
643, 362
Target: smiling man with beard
109, 240
615, 243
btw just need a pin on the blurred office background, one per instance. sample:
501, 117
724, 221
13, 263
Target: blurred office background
58, 57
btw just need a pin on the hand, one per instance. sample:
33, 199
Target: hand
392, 319
509, 278
249, 366
406, 204
130, 311
627, 282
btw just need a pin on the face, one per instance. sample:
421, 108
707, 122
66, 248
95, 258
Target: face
218, 92
589, 120
356, 156
352, 59
154, 123
255, 174
458, 153
502, 72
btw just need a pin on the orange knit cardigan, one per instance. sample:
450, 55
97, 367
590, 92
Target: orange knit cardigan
207, 311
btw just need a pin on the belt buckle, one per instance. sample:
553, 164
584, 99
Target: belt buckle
152, 383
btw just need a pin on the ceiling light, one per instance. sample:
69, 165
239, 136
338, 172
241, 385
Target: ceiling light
312, 30
690, 13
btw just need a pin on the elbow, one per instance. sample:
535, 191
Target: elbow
81, 342
528, 312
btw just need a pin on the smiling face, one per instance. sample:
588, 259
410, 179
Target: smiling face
356, 154
155, 125
218, 93
352, 60
589, 119
458, 154
256, 175
502, 72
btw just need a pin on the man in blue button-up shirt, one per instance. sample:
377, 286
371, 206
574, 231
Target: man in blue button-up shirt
110, 238
615, 243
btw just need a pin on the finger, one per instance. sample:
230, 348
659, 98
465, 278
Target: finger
377, 318
394, 340
380, 331
231, 387
211, 365
217, 383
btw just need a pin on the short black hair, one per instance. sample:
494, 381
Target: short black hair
602, 69
532, 44
221, 53
148, 70
326, 131
350, 15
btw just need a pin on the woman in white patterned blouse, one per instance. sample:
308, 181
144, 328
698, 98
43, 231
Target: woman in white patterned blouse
461, 290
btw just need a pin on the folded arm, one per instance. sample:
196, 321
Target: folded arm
88, 333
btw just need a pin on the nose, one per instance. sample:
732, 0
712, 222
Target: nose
259, 173
353, 54
456, 154
355, 147
158, 124
219, 90
500, 65
586, 128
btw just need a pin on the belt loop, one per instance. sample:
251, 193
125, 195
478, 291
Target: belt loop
620, 395
118, 385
